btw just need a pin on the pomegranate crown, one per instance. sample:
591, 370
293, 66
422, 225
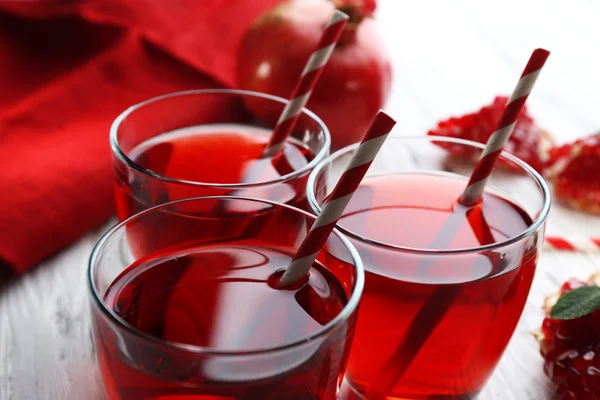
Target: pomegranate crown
357, 10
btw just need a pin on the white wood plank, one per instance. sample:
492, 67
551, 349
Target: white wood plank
45, 343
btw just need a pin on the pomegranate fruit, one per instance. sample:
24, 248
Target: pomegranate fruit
355, 83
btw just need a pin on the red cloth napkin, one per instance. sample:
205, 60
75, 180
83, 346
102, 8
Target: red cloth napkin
67, 69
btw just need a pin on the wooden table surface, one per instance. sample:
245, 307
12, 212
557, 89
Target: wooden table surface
449, 58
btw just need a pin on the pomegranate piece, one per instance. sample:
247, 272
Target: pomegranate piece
528, 141
569, 285
574, 169
571, 347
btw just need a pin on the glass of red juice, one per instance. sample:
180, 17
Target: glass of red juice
184, 306
205, 143
445, 285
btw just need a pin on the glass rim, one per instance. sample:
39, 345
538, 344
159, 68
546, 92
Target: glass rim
120, 154
323, 331
537, 223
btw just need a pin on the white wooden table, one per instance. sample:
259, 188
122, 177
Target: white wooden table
449, 58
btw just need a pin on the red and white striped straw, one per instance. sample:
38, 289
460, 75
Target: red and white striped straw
504, 129
338, 199
579, 244
306, 83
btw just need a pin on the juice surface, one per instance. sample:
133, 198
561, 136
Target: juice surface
218, 153
219, 296
211, 154
409, 210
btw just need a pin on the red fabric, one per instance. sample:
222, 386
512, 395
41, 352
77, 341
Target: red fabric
67, 69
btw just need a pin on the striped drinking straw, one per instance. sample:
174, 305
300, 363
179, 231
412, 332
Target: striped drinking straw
506, 125
338, 199
298, 99
579, 244
306, 83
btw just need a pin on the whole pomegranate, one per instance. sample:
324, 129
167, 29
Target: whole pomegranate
356, 81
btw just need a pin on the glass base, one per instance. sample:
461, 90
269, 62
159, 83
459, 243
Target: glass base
349, 392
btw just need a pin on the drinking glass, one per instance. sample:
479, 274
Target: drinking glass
437, 312
162, 152
133, 331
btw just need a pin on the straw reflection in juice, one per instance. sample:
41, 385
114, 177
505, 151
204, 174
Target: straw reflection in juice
217, 154
408, 210
219, 297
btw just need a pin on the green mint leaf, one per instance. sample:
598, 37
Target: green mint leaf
577, 303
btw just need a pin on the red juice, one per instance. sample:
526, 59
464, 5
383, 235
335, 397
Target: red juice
491, 288
218, 296
211, 154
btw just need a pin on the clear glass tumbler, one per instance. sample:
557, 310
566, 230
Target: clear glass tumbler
209, 143
445, 284
182, 307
